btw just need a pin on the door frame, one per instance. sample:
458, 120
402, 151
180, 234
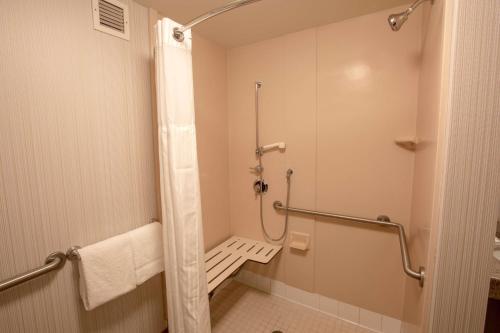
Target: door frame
468, 194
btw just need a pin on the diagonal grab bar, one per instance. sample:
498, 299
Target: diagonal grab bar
53, 262
382, 221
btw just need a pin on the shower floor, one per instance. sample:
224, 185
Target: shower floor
239, 308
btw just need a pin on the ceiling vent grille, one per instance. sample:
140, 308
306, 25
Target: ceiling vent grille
111, 17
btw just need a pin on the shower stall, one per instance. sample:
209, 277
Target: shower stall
267, 166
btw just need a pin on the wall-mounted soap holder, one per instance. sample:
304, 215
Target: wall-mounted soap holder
299, 241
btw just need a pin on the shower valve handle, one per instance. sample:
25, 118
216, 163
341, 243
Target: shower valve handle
260, 186
257, 169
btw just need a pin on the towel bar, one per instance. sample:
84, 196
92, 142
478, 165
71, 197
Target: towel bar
54, 261
72, 253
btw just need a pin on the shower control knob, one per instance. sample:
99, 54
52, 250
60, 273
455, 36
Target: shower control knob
260, 186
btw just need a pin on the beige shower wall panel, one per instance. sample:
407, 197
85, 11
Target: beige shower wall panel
76, 160
300, 124
367, 97
259, 62
338, 95
428, 159
209, 74
287, 67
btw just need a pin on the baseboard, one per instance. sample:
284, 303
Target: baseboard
358, 316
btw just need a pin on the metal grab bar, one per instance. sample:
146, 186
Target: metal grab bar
381, 221
53, 262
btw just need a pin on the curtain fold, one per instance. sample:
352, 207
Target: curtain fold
186, 283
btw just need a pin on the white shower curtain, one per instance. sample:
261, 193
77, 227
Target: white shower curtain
187, 299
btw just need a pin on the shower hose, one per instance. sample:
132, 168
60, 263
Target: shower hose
285, 228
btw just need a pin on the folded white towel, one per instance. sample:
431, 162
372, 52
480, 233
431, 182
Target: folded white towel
117, 265
148, 251
106, 271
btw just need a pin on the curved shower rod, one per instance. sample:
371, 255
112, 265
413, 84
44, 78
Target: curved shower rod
178, 32
395, 20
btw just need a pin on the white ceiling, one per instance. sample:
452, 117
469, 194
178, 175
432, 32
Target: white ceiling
267, 18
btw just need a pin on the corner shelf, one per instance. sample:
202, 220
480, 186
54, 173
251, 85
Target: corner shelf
408, 143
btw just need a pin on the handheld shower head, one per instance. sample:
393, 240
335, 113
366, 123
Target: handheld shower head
397, 20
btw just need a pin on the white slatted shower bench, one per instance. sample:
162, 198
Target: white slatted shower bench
227, 258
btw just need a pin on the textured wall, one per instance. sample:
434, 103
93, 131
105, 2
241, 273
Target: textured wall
76, 159
471, 185
338, 95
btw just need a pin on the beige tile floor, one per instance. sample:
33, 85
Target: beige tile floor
241, 309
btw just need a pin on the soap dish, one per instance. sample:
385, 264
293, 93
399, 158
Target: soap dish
299, 241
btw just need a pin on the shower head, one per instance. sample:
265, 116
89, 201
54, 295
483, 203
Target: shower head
397, 20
